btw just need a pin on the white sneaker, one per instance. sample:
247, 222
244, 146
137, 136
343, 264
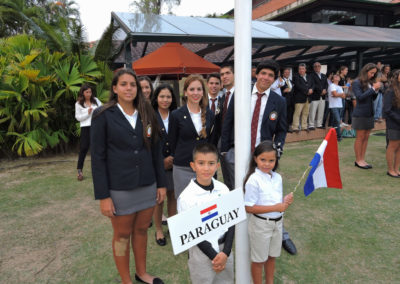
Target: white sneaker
343, 124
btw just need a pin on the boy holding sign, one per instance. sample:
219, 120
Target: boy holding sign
210, 261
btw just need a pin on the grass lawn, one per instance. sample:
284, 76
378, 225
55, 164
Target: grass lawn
51, 230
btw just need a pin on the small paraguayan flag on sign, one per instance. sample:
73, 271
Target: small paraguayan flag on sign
208, 213
325, 166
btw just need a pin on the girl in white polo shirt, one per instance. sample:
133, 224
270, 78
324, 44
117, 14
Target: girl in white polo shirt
263, 200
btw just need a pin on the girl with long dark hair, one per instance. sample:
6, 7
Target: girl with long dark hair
128, 171
163, 102
84, 107
365, 89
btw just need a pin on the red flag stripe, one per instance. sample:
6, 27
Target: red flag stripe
208, 209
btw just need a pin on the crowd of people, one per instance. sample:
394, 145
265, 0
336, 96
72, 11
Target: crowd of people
144, 149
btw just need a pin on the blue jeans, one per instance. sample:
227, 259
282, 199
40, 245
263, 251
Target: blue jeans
335, 113
378, 106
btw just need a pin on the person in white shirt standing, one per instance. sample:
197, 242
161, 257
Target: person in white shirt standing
84, 107
336, 94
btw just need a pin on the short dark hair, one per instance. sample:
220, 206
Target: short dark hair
213, 75
268, 64
228, 65
302, 65
205, 148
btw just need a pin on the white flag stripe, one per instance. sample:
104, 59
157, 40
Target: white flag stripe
319, 177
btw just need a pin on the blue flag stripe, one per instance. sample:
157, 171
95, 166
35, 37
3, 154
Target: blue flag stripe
309, 185
209, 216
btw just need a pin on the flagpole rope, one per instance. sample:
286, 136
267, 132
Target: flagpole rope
301, 179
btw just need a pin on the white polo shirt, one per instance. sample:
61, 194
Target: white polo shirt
264, 189
193, 195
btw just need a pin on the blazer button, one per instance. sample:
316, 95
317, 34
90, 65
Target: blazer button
134, 136
197, 138
136, 152
167, 151
167, 143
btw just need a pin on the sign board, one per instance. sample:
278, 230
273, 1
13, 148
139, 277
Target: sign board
212, 218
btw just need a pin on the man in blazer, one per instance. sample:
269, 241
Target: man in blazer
228, 160
270, 117
287, 91
317, 105
303, 89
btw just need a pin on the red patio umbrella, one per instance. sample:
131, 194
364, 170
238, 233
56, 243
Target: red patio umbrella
173, 58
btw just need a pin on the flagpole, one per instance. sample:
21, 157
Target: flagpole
242, 47
301, 179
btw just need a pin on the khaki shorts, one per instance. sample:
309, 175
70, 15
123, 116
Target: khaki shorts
265, 238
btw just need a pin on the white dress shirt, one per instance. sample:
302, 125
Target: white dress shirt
276, 86
132, 119
196, 119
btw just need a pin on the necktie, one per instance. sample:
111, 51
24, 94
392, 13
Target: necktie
288, 83
213, 104
254, 121
228, 93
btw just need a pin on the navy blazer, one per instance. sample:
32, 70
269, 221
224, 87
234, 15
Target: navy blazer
365, 100
271, 129
319, 85
301, 88
120, 160
165, 144
218, 119
184, 137
390, 111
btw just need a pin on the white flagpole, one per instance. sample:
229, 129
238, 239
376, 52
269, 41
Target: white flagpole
242, 45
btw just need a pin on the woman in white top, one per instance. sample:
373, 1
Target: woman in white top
335, 96
84, 108
163, 102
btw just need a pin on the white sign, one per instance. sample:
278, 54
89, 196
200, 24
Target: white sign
212, 218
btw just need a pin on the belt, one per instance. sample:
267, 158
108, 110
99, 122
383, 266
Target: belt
268, 219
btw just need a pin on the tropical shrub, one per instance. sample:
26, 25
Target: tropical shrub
38, 91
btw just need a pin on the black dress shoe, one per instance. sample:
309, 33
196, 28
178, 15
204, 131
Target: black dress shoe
363, 167
311, 128
155, 280
161, 242
389, 174
289, 246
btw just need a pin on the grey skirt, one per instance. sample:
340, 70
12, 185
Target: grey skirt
393, 134
362, 123
130, 201
182, 177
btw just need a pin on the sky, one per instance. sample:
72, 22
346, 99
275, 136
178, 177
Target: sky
96, 15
